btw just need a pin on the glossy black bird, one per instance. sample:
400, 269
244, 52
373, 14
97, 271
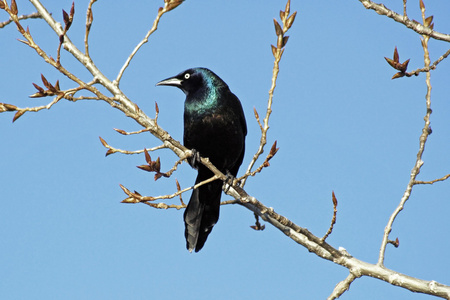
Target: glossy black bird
214, 125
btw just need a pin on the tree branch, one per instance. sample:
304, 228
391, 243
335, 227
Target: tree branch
167, 7
35, 15
411, 24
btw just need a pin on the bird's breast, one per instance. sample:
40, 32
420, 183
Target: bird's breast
215, 135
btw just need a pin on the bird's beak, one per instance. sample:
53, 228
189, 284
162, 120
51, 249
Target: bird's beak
172, 81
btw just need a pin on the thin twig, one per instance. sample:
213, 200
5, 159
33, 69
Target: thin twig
428, 68
131, 132
404, 9
89, 19
277, 52
433, 181
333, 219
30, 42
136, 197
112, 149
161, 11
418, 164
411, 24
35, 15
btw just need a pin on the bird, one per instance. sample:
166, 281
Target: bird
214, 128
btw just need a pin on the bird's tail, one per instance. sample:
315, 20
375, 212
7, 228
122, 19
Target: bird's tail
202, 213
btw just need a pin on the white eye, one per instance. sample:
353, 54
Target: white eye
187, 75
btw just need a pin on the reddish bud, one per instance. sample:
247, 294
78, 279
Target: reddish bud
120, 131
110, 151
396, 57
291, 20
103, 142
148, 158
18, 115
14, 10
278, 30
274, 50
428, 21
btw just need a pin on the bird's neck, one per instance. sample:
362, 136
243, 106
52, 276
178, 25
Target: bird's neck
203, 101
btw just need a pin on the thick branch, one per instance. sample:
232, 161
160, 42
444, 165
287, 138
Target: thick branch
314, 244
121, 101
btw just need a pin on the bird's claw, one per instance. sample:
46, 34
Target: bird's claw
228, 182
194, 159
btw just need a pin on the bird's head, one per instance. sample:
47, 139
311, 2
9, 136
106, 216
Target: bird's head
192, 80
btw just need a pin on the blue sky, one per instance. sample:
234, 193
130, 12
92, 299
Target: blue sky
341, 124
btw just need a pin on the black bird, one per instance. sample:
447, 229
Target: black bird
215, 127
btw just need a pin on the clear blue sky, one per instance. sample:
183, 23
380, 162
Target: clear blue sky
341, 124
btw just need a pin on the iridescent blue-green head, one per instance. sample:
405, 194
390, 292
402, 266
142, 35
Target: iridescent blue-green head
202, 87
194, 80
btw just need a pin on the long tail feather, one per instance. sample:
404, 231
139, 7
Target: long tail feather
202, 212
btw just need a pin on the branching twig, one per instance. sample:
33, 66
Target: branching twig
402, 66
422, 140
155, 166
169, 5
432, 67
277, 52
30, 42
265, 164
136, 197
411, 24
314, 244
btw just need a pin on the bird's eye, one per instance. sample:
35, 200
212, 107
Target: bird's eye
187, 75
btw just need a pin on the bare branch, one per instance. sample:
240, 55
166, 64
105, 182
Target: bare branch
35, 15
411, 24
418, 164
136, 197
89, 20
169, 5
433, 181
131, 132
333, 219
265, 164
277, 53
112, 150
404, 9
314, 244
432, 67
342, 287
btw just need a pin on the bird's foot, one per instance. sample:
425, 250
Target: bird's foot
229, 182
194, 159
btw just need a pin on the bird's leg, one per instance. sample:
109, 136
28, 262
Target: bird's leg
194, 159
